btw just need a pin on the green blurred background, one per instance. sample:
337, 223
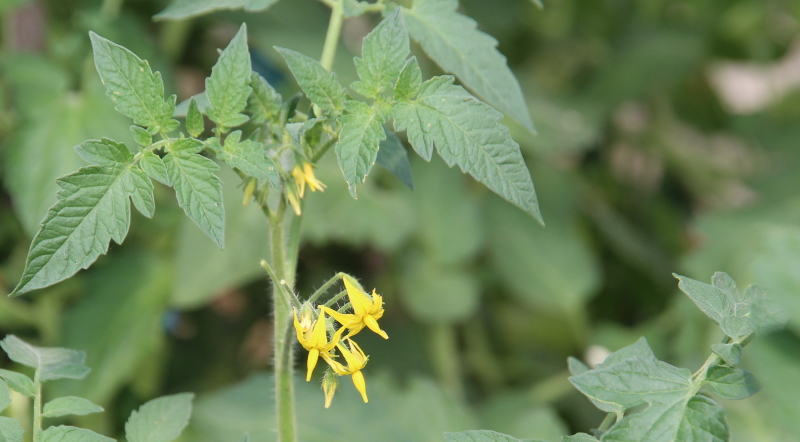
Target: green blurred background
669, 141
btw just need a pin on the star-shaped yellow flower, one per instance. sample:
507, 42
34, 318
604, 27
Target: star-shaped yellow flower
356, 361
366, 311
305, 175
313, 336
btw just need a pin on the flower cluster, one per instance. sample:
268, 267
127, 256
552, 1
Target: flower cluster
322, 339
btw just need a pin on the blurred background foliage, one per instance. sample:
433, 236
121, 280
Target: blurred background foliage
669, 140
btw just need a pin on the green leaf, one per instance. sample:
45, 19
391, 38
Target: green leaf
454, 43
393, 156
730, 353
141, 136
194, 119
18, 382
52, 363
354, 8
138, 185
64, 433
70, 405
10, 430
92, 209
160, 420
246, 437
703, 420
265, 104
319, 85
409, 82
479, 436
383, 56
249, 156
468, 133
182, 9
580, 437
576, 366
228, 86
104, 152
199, 192
186, 146
712, 300
154, 166
5, 396
131, 84
359, 140
732, 383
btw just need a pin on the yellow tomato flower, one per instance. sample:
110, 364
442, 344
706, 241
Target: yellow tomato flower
305, 175
356, 361
313, 336
366, 311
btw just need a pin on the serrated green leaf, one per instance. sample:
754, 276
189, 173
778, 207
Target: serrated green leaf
131, 84
154, 166
319, 85
141, 136
138, 185
185, 146
393, 156
194, 119
199, 192
104, 152
639, 349
730, 353
580, 437
359, 140
182, 9
52, 363
92, 209
64, 406
160, 420
409, 82
10, 430
228, 86
732, 383
5, 396
249, 156
64, 433
18, 382
712, 300
383, 56
454, 43
468, 133
479, 436
265, 104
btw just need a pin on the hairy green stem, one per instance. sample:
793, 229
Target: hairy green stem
324, 288
336, 299
37, 407
332, 37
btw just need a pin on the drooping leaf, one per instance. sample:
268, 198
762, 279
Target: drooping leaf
160, 420
199, 192
359, 140
468, 133
183, 9
194, 119
479, 436
64, 406
18, 382
131, 84
10, 430
64, 433
265, 104
730, 353
453, 41
732, 383
383, 56
321, 86
393, 156
92, 209
5, 396
409, 81
249, 156
52, 363
228, 86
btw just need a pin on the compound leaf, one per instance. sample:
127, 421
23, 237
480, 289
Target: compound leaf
199, 192
160, 420
228, 86
359, 140
131, 84
321, 86
453, 41
467, 132
383, 56
71, 434
70, 405
52, 363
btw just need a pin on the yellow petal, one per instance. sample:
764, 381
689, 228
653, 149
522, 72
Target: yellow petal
345, 319
293, 200
361, 385
300, 179
373, 325
319, 336
298, 328
340, 369
313, 356
313, 183
356, 360
361, 303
